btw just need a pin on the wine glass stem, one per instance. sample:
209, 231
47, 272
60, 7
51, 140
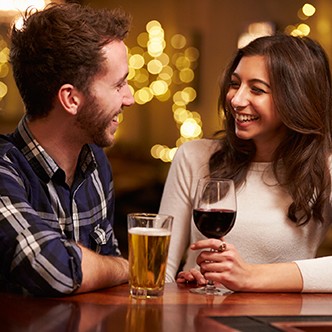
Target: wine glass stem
210, 287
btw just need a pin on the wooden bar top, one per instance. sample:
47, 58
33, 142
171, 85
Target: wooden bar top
178, 310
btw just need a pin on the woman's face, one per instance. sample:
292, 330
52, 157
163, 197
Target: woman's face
253, 109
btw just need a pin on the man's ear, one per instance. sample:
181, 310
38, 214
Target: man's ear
70, 98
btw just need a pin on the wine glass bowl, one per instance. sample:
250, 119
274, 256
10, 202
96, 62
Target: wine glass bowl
214, 223
214, 214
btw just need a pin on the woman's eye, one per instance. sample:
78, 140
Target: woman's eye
258, 90
234, 84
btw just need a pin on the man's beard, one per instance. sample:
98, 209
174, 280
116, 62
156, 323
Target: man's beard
94, 122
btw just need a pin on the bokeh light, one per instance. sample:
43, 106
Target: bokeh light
301, 29
166, 74
308, 9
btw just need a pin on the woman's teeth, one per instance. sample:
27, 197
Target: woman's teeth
246, 117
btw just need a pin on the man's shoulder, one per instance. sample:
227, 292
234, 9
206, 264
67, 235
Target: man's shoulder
99, 153
101, 158
6, 145
11, 156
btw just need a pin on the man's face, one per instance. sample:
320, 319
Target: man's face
108, 94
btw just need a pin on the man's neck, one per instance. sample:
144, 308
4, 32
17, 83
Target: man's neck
57, 140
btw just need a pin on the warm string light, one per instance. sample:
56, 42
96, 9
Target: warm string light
21, 5
155, 73
255, 30
9, 9
4, 67
302, 29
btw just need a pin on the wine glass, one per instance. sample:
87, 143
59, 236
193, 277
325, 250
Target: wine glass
214, 215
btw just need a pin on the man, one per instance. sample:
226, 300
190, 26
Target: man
56, 186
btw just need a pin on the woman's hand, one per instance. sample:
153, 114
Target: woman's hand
192, 276
223, 264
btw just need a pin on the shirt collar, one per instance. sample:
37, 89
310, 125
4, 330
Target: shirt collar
42, 163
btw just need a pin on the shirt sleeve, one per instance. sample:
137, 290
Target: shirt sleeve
34, 256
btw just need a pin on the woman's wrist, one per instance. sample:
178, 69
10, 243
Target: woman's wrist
278, 277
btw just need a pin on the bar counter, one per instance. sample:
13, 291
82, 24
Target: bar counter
178, 310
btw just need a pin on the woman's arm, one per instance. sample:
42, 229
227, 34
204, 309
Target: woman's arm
176, 201
229, 269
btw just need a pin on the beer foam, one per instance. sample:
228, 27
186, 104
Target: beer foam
149, 231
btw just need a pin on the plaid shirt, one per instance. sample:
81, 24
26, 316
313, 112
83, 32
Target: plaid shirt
42, 218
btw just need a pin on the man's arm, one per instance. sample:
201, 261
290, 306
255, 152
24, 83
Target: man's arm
101, 271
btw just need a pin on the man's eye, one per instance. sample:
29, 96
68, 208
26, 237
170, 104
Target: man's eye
121, 85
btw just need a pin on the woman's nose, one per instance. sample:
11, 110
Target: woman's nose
239, 99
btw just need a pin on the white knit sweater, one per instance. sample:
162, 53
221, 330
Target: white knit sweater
262, 232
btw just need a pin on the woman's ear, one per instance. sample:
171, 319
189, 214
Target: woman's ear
70, 98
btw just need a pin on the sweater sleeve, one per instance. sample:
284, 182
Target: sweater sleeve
316, 274
176, 202
189, 164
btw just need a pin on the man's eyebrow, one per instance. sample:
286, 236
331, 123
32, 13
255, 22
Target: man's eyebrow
122, 79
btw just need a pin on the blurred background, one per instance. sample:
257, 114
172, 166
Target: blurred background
177, 51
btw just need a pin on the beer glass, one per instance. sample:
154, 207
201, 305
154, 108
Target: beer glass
148, 240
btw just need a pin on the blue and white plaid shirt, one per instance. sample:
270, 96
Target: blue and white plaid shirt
42, 218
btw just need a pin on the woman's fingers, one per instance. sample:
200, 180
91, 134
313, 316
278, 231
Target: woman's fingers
192, 276
212, 244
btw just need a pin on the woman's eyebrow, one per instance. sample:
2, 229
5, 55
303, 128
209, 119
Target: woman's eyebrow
253, 80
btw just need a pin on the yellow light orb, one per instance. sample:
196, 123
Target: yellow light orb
308, 9
159, 87
182, 62
142, 76
304, 28
190, 128
143, 39
191, 93
178, 99
186, 75
156, 47
136, 61
164, 97
181, 115
164, 59
4, 70
178, 41
152, 25
154, 66
192, 53
143, 96
3, 89
156, 150
131, 73
4, 55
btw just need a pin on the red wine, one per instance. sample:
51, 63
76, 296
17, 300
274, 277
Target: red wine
214, 223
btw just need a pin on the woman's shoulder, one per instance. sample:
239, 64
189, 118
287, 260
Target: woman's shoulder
192, 158
195, 153
200, 146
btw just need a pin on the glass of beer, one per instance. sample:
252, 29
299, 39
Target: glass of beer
148, 239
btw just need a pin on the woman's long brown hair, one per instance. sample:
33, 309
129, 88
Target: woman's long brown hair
300, 81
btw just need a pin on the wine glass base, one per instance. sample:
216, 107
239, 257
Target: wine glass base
210, 291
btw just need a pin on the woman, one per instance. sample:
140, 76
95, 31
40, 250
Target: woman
275, 99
